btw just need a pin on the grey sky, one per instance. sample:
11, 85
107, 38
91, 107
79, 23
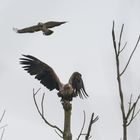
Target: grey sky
83, 44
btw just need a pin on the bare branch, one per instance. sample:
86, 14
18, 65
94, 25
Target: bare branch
42, 107
3, 126
58, 134
53, 126
36, 91
130, 56
130, 102
90, 125
136, 114
2, 134
130, 107
133, 106
123, 47
2, 116
132, 111
119, 44
82, 126
114, 40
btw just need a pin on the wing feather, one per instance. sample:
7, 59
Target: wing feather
78, 84
43, 72
30, 29
52, 24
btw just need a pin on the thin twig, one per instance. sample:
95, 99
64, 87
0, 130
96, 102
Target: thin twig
114, 40
3, 126
58, 134
2, 116
132, 111
42, 107
2, 134
90, 125
123, 47
119, 44
130, 56
53, 126
136, 114
132, 108
130, 102
82, 125
36, 91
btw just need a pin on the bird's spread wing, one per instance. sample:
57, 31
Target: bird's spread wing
52, 24
78, 85
43, 72
30, 29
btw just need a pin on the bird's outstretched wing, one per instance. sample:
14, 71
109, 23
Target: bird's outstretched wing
52, 24
43, 72
30, 29
78, 85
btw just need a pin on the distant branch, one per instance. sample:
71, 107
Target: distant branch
42, 111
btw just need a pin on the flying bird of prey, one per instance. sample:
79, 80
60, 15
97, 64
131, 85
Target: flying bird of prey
47, 76
44, 27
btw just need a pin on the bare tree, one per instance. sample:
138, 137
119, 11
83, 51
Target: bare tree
65, 134
127, 115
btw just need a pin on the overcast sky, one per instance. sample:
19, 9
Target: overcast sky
83, 44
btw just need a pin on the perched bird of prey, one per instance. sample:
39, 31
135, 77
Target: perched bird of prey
44, 27
46, 75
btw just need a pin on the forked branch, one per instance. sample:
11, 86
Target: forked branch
41, 112
92, 121
132, 110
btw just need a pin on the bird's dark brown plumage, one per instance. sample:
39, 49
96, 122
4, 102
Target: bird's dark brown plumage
44, 27
46, 75
78, 85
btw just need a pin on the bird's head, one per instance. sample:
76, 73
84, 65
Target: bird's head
77, 74
40, 24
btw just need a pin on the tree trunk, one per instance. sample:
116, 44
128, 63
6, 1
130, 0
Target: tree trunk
124, 132
67, 121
